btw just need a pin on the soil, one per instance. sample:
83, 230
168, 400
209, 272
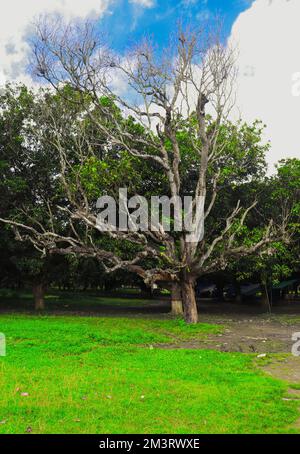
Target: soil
247, 334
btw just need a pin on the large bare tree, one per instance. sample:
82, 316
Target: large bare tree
192, 81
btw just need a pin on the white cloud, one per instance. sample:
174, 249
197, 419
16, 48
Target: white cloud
17, 15
268, 39
143, 3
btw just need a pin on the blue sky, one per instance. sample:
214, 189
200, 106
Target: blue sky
126, 21
265, 32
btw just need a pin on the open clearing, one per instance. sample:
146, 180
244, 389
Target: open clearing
142, 374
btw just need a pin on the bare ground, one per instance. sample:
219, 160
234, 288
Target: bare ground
248, 334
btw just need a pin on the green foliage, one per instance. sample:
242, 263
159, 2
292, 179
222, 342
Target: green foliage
33, 184
287, 187
100, 177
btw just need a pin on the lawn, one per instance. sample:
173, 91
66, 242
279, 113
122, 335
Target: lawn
106, 375
64, 301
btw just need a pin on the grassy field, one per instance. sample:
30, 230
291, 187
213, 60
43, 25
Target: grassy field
64, 301
105, 375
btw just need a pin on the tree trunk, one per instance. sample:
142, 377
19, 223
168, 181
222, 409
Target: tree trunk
177, 308
220, 291
189, 301
238, 293
39, 297
265, 300
146, 291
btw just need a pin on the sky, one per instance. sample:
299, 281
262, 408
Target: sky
266, 33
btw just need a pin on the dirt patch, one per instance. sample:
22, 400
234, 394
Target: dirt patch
287, 369
256, 334
295, 393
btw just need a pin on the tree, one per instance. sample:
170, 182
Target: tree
279, 198
162, 122
27, 186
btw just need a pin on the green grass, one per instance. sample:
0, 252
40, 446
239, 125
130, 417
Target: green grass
103, 375
289, 319
62, 300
